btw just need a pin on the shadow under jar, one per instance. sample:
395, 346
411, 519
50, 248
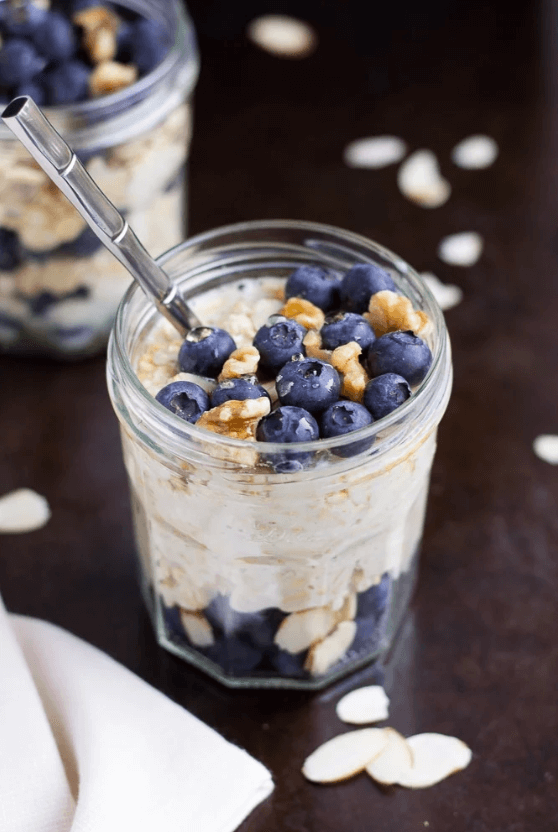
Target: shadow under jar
59, 288
260, 578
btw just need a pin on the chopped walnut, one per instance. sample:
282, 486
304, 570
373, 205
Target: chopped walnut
237, 419
97, 17
241, 362
313, 344
388, 312
110, 76
100, 26
303, 312
353, 374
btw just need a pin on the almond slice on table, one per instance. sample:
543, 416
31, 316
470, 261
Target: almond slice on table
23, 510
374, 152
546, 448
363, 705
462, 249
283, 36
394, 761
420, 180
435, 757
345, 755
475, 152
446, 294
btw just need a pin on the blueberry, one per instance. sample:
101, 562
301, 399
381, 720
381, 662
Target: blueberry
319, 286
20, 22
400, 352
345, 327
308, 383
150, 44
288, 664
67, 83
277, 341
385, 393
234, 655
84, 245
42, 301
54, 37
361, 282
173, 623
372, 616
373, 602
255, 628
184, 398
124, 42
19, 62
288, 424
237, 389
345, 417
11, 253
33, 89
205, 350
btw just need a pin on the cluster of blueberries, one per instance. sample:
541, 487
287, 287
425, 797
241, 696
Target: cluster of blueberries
42, 55
244, 642
308, 389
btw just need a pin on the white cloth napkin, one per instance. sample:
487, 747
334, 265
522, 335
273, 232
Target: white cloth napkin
87, 746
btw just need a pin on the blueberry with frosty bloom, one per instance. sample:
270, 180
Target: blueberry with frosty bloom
361, 282
277, 341
185, 399
345, 417
236, 389
384, 394
308, 383
344, 327
400, 352
204, 351
318, 285
288, 424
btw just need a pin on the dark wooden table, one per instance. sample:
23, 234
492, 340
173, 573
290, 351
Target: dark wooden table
477, 656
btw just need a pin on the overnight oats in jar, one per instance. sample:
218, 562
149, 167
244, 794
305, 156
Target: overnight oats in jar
279, 457
116, 80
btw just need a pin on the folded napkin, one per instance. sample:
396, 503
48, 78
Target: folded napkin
87, 746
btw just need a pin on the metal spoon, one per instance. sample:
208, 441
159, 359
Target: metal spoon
29, 124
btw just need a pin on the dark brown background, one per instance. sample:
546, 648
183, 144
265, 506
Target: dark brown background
477, 656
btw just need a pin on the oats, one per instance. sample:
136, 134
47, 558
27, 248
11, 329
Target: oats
300, 630
241, 362
197, 628
420, 180
237, 419
23, 510
207, 384
283, 36
463, 249
303, 312
368, 704
374, 152
345, 755
393, 762
435, 757
475, 152
388, 312
546, 448
326, 653
446, 294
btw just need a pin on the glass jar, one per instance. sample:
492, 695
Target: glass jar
260, 578
59, 288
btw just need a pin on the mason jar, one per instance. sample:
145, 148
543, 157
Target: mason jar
261, 576
59, 287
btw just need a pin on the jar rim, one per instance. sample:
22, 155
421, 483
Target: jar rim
173, 429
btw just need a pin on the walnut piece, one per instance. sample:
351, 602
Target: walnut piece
313, 344
303, 312
241, 362
237, 419
100, 26
353, 374
111, 76
388, 312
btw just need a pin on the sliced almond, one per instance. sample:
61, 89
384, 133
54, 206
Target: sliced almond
197, 628
207, 384
283, 36
463, 249
420, 180
326, 653
23, 510
446, 294
546, 448
363, 705
374, 152
475, 152
435, 757
345, 755
393, 762
301, 629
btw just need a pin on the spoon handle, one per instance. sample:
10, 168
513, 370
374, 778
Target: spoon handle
29, 124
